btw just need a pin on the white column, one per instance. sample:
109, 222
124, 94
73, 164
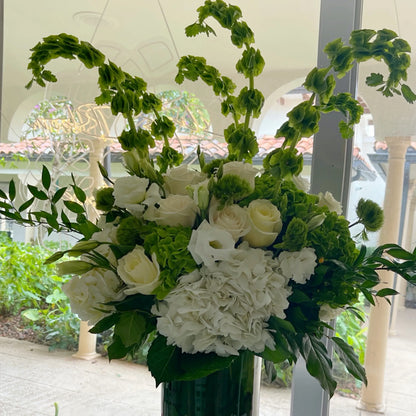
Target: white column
87, 341
401, 284
372, 396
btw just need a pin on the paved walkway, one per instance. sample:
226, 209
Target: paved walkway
32, 379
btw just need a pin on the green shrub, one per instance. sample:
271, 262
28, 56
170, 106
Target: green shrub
32, 289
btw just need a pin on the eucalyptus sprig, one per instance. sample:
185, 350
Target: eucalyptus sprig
56, 219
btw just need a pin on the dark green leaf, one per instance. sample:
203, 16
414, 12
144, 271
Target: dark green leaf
74, 207
131, 328
318, 363
374, 79
46, 178
26, 205
37, 193
162, 360
116, 349
58, 195
79, 193
5, 205
12, 190
400, 253
408, 94
3, 194
194, 366
347, 355
104, 324
368, 295
386, 292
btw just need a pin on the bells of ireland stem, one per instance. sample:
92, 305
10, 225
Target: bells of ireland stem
141, 167
283, 163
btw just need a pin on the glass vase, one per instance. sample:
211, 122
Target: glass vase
233, 391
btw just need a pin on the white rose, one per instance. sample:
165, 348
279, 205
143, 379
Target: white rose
129, 191
328, 200
209, 244
178, 178
140, 274
232, 218
89, 294
245, 171
298, 265
174, 210
265, 222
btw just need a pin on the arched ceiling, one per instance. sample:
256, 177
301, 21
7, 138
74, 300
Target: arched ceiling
146, 38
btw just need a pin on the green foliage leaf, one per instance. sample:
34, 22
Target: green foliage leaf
12, 190
162, 360
79, 193
105, 323
348, 357
58, 195
386, 292
32, 314
318, 363
408, 94
46, 178
26, 204
167, 363
117, 350
373, 80
37, 193
74, 207
131, 328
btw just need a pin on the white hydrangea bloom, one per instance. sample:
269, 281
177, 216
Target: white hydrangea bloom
224, 307
298, 265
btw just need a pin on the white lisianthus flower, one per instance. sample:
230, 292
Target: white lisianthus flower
178, 178
243, 170
88, 294
174, 210
298, 265
265, 223
138, 272
224, 308
231, 218
129, 191
301, 183
327, 313
152, 196
328, 200
209, 244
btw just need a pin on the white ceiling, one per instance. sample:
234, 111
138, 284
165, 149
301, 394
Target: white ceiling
146, 38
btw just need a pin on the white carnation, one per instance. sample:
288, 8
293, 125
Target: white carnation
225, 307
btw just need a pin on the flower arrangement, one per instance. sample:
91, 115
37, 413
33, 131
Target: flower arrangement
226, 257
